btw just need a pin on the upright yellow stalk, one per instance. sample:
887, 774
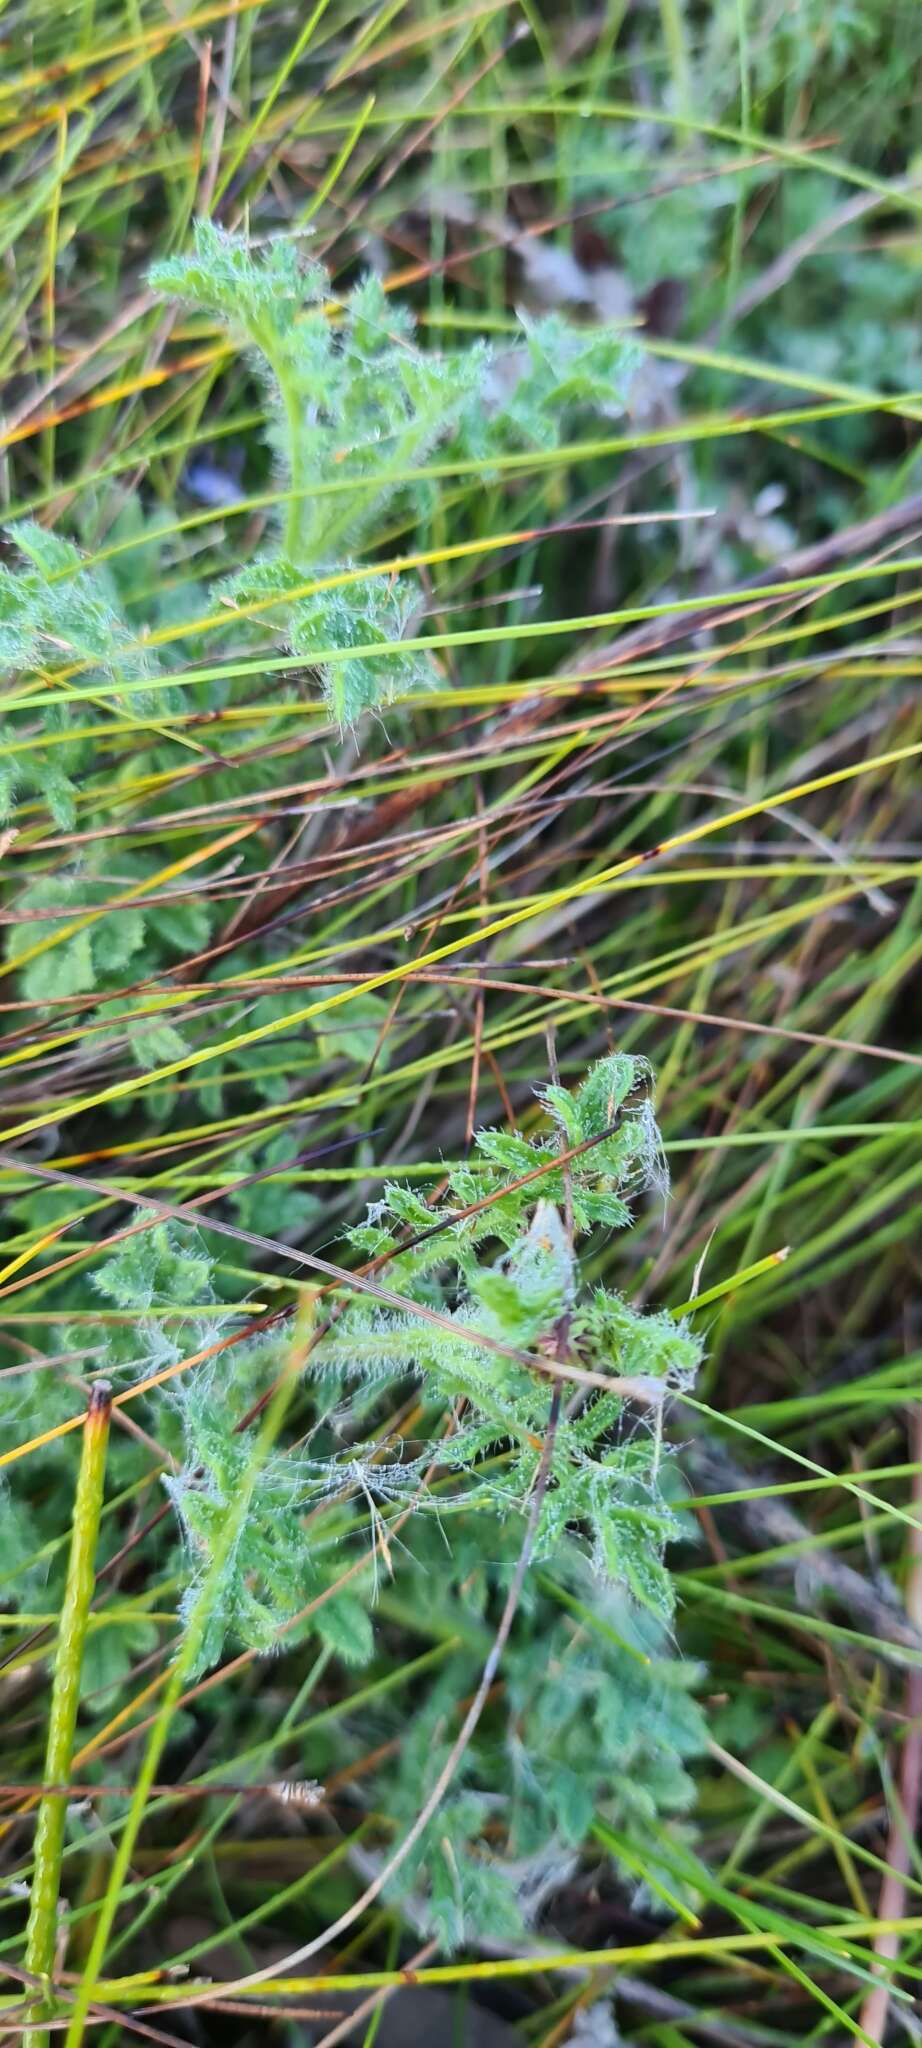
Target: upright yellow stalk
41, 1935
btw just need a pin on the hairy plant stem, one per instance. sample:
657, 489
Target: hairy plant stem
41, 1936
465, 1733
297, 503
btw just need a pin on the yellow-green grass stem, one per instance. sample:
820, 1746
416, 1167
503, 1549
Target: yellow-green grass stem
183, 1663
42, 1931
